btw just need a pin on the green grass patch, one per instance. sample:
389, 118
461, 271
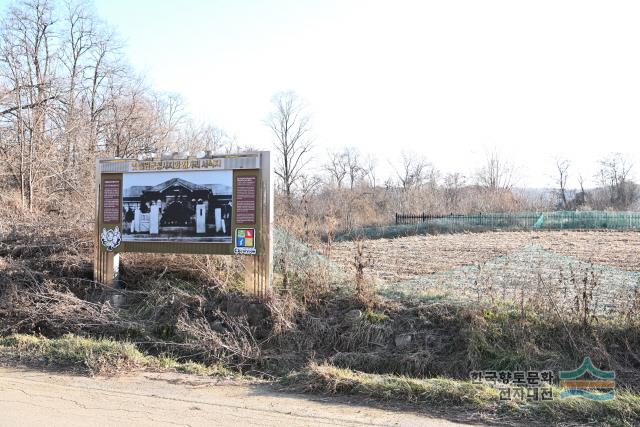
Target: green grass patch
167, 362
446, 394
95, 356
438, 391
373, 316
623, 410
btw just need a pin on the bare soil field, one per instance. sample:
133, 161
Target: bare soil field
407, 257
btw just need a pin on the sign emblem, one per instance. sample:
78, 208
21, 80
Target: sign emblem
245, 242
600, 385
110, 239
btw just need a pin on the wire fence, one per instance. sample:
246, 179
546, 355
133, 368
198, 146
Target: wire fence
408, 225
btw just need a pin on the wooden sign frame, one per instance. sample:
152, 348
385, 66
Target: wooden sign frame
175, 212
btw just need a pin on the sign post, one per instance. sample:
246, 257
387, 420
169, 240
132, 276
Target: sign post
217, 205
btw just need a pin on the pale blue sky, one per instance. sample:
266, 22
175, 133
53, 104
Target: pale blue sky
448, 79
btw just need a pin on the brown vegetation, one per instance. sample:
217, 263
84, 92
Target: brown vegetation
78, 102
403, 258
191, 311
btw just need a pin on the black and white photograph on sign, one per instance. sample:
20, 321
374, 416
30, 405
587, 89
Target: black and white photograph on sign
192, 206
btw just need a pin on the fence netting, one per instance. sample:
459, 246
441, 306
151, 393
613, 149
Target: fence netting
559, 220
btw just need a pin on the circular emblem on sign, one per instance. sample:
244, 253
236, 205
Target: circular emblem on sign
110, 239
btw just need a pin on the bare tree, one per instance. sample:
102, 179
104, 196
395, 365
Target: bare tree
336, 167
370, 166
28, 59
206, 137
581, 197
453, 184
496, 174
291, 126
562, 166
354, 168
345, 164
412, 171
170, 116
103, 69
615, 179
67, 96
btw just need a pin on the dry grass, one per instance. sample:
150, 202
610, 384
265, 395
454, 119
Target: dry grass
404, 258
453, 395
589, 275
190, 311
94, 356
436, 391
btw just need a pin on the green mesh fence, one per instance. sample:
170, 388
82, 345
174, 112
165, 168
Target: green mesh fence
562, 220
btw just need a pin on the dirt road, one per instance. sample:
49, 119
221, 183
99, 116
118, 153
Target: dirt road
41, 398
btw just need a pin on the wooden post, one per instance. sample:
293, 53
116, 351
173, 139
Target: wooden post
106, 266
259, 268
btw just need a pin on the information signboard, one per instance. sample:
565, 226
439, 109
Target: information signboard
220, 205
